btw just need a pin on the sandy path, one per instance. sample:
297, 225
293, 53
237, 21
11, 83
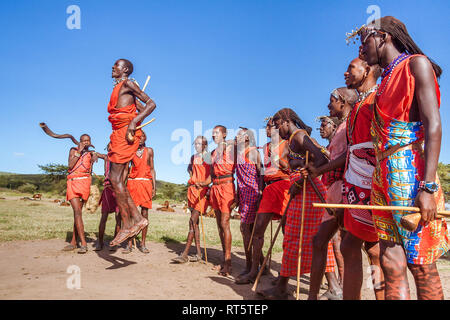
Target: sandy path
38, 270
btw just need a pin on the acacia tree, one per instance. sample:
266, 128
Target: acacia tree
54, 172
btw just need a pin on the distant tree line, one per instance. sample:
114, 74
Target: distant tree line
53, 181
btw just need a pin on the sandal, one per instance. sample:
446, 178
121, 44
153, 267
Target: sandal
83, 249
112, 248
126, 250
69, 247
121, 237
144, 249
195, 258
180, 259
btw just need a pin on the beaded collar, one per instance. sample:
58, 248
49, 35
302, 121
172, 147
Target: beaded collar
294, 155
116, 82
388, 71
361, 98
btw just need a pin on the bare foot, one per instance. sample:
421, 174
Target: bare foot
121, 236
245, 279
226, 269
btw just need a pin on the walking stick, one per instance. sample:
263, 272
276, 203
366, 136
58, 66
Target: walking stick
253, 231
302, 223
269, 252
203, 232
271, 231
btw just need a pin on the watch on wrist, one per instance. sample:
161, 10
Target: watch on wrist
428, 186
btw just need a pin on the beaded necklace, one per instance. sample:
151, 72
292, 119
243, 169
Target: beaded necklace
116, 82
361, 98
388, 71
294, 155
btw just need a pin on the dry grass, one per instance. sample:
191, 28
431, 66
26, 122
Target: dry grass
39, 220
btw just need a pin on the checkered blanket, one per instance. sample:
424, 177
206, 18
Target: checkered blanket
312, 220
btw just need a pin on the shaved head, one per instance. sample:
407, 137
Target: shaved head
128, 65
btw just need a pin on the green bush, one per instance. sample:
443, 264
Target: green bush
27, 188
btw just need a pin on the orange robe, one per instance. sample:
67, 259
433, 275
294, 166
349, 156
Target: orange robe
201, 170
222, 191
121, 151
79, 178
140, 179
276, 193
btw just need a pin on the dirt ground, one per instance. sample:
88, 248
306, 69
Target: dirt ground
39, 270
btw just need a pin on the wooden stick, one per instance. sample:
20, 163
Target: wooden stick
316, 190
271, 231
143, 125
203, 231
372, 207
146, 82
253, 231
302, 223
269, 252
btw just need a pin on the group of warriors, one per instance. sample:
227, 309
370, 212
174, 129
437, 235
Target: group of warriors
384, 145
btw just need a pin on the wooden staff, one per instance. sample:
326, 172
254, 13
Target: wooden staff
253, 231
302, 223
203, 231
408, 221
269, 252
130, 137
143, 125
271, 231
146, 82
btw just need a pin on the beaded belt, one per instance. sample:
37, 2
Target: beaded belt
144, 179
218, 178
78, 178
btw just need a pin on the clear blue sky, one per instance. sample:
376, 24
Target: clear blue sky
222, 62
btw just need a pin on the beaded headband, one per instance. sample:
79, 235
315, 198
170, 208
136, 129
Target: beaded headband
354, 35
335, 93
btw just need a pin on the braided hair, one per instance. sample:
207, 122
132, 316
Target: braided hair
287, 114
401, 38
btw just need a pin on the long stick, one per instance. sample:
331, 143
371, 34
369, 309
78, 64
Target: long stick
146, 82
302, 223
271, 231
269, 252
316, 190
372, 207
253, 232
203, 232
143, 125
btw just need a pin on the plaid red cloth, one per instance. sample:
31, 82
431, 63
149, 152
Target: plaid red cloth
328, 178
247, 180
313, 218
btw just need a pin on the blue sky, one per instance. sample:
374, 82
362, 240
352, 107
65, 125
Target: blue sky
219, 62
